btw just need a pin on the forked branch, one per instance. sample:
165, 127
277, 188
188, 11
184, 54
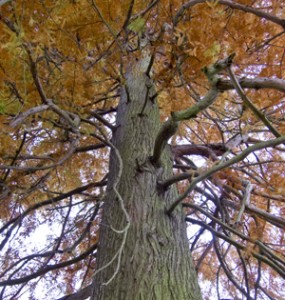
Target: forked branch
169, 128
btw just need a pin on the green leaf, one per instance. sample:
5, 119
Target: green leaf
213, 50
2, 108
213, 3
137, 25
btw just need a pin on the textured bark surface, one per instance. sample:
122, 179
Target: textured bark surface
156, 262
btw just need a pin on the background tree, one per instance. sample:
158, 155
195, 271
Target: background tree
184, 101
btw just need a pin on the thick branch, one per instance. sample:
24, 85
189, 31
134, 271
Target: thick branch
209, 150
257, 83
169, 128
178, 177
196, 108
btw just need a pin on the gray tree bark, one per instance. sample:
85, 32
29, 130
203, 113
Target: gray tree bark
155, 262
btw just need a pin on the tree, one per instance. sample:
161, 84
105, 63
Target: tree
141, 137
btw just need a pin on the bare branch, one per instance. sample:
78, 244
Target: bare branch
34, 72
90, 147
192, 112
49, 268
72, 147
79, 295
250, 105
225, 164
49, 202
96, 8
169, 128
273, 264
277, 221
245, 201
179, 177
129, 14
102, 120
147, 9
256, 83
209, 150
20, 119
228, 271
233, 5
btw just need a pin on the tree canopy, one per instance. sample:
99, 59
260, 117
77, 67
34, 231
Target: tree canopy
219, 77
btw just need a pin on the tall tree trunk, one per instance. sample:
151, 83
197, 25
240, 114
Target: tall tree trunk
155, 262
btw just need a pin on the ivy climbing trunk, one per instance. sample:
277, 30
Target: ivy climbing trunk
154, 261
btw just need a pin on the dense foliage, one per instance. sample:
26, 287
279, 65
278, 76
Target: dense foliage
62, 66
